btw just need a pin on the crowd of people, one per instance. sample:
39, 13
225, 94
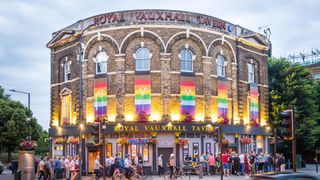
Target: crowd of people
58, 167
232, 163
116, 165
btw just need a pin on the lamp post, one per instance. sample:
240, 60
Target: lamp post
219, 128
22, 92
27, 93
80, 96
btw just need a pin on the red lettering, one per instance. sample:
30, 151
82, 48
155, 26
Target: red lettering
169, 16
121, 16
96, 21
137, 15
114, 18
177, 16
102, 19
159, 15
151, 15
143, 16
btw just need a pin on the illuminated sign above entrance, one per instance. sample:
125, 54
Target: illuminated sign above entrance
156, 127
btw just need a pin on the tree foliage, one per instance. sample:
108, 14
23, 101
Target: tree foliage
43, 144
16, 124
291, 85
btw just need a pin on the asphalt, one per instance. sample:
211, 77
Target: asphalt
310, 169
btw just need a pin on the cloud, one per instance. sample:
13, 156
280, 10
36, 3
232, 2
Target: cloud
26, 27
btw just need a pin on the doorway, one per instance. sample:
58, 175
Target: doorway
165, 156
92, 157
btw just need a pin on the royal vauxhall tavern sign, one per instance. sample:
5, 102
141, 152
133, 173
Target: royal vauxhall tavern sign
159, 127
157, 17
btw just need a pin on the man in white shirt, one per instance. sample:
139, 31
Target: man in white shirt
160, 165
128, 166
97, 167
241, 157
108, 165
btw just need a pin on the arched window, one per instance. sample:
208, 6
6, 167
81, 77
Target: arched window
250, 73
221, 66
101, 62
67, 69
142, 57
186, 60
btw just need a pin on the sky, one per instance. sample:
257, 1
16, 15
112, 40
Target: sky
26, 27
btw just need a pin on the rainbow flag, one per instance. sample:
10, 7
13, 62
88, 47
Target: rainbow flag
187, 95
100, 97
222, 98
142, 92
254, 102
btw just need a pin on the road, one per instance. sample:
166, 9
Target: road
310, 169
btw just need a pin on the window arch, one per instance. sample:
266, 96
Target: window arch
142, 57
221, 66
101, 62
186, 60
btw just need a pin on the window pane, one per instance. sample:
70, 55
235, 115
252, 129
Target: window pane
186, 63
142, 59
189, 66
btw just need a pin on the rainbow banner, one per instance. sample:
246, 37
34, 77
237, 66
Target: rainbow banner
222, 98
142, 92
100, 97
187, 95
254, 102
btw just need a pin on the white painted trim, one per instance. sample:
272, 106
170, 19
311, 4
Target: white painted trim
156, 94
187, 33
246, 82
54, 52
198, 74
111, 73
72, 80
129, 72
220, 39
142, 31
155, 71
241, 47
174, 72
92, 38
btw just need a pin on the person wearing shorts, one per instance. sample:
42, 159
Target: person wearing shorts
225, 163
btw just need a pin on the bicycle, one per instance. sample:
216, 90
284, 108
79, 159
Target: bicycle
177, 173
137, 173
92, 176
118, 174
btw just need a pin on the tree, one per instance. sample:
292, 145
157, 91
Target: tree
292, 85
43, 144
14, 124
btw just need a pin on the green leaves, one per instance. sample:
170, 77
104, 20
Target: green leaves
14, 126
292, 85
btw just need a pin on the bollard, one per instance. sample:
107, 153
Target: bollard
200, 171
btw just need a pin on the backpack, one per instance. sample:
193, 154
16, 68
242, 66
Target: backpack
168, 163
117, 161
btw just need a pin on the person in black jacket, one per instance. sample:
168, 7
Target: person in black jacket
236, 164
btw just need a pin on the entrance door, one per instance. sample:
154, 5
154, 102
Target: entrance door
165, 156
92, 157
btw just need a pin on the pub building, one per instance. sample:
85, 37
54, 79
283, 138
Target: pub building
160, 81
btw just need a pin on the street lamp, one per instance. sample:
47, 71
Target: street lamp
27, 93
22, 92
80, 95
219, 128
